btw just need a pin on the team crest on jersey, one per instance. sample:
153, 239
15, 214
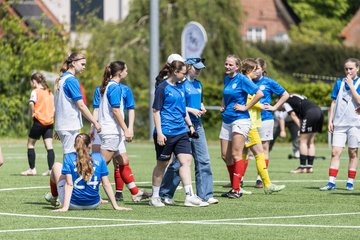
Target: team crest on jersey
188, 90
234, 86
262, 87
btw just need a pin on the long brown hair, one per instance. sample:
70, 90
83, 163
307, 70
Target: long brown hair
84, 162
109, 72
39, 78
248, 65
67, 64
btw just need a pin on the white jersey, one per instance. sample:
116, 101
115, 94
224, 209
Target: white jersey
67, 113
109, 124
344, 112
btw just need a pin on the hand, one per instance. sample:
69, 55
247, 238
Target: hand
128, 136
349, 81
222, 108
331, 127
203, 111
357, 110
61, 210
239, 107
269, 107
282, 134
98, 127
122, 208
161, 139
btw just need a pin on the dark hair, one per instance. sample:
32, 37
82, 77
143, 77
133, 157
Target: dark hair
84, 162
262, 64
169, 69
67, 64
248, 65
39, 78
354, 60
109, 72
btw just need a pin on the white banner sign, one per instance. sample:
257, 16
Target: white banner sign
193, 40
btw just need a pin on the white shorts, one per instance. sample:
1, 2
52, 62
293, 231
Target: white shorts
266, 131
114, 143
61, 192
241, 126
67, 139
341, 135
97, 139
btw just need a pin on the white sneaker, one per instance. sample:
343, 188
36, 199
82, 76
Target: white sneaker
54, 201
139, 196
156, 202
29, 172
169, 201
212, 201
47, 173
245, 192
195, 201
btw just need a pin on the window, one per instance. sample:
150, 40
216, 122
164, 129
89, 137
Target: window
80, 9
255, 34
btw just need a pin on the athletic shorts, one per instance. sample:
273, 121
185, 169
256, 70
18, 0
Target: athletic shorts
113, 142
97, 139
252, 138
38, 130
341, 135
312, 121
241, 126
61, 192
174, 144
67, 139
266, 131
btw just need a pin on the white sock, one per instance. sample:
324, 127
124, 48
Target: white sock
188, 190
332, 179
155, 191
350, 180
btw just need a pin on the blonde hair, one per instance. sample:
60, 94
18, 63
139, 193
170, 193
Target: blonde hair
84, 162
248, 65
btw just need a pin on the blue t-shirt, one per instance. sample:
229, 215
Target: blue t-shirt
235, 91
170, 100
337, 85
269, 87
113, 94
193, 96
72, 87
97, 97
127, 97
85, 193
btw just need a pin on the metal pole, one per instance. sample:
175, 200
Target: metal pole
154, 57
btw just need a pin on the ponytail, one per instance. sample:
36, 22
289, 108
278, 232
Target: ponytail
84, 162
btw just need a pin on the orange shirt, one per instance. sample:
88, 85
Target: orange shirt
44, 108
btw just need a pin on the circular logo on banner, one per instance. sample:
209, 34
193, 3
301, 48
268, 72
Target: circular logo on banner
193, 40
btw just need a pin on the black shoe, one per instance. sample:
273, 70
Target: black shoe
234, 194
259, 184
119, 196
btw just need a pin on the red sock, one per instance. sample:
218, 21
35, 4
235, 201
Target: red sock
352, 174
119, 183
128, 178
238, 170
231, 172
53, 189
267, 163
333, 172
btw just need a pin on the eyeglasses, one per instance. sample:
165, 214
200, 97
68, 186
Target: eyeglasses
196, 60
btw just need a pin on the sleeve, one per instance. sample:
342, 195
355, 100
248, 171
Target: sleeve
33, 96
129, 102
114, 95
96, 99
277, 88
159, 97
72, 89
336, 89
104, 169
249, 86
66, 167
288, 107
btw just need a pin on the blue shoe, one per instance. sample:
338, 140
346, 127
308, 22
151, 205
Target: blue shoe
329, 186
349, 186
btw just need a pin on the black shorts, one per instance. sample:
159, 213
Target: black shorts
174, 144
38, 130
312, 121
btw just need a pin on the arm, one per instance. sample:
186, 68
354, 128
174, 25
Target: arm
109, 192
85, 111
189, 123
259, 94
31, 106
295, 118
68, 192
131, 116
161, 139
120, 120
282, 127
331, 116
280, 102
353, 91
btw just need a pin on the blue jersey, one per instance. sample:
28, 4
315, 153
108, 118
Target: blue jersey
72, 87
337, 85
235, 91
97, 96
193, 96
170, 101
269, 87
127, 97
85, 193
113, 94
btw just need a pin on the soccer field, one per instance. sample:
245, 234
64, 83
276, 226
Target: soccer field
301, 211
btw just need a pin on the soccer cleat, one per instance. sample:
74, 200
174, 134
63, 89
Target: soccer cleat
212, 201
309, 170
194, 201
156, 202
47, 173
329, 186
298, 170
259, 184
169, 201
54, 201
140, 196
119, 196
245, 192
273, 188
349, 186
234, 194
29, 172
